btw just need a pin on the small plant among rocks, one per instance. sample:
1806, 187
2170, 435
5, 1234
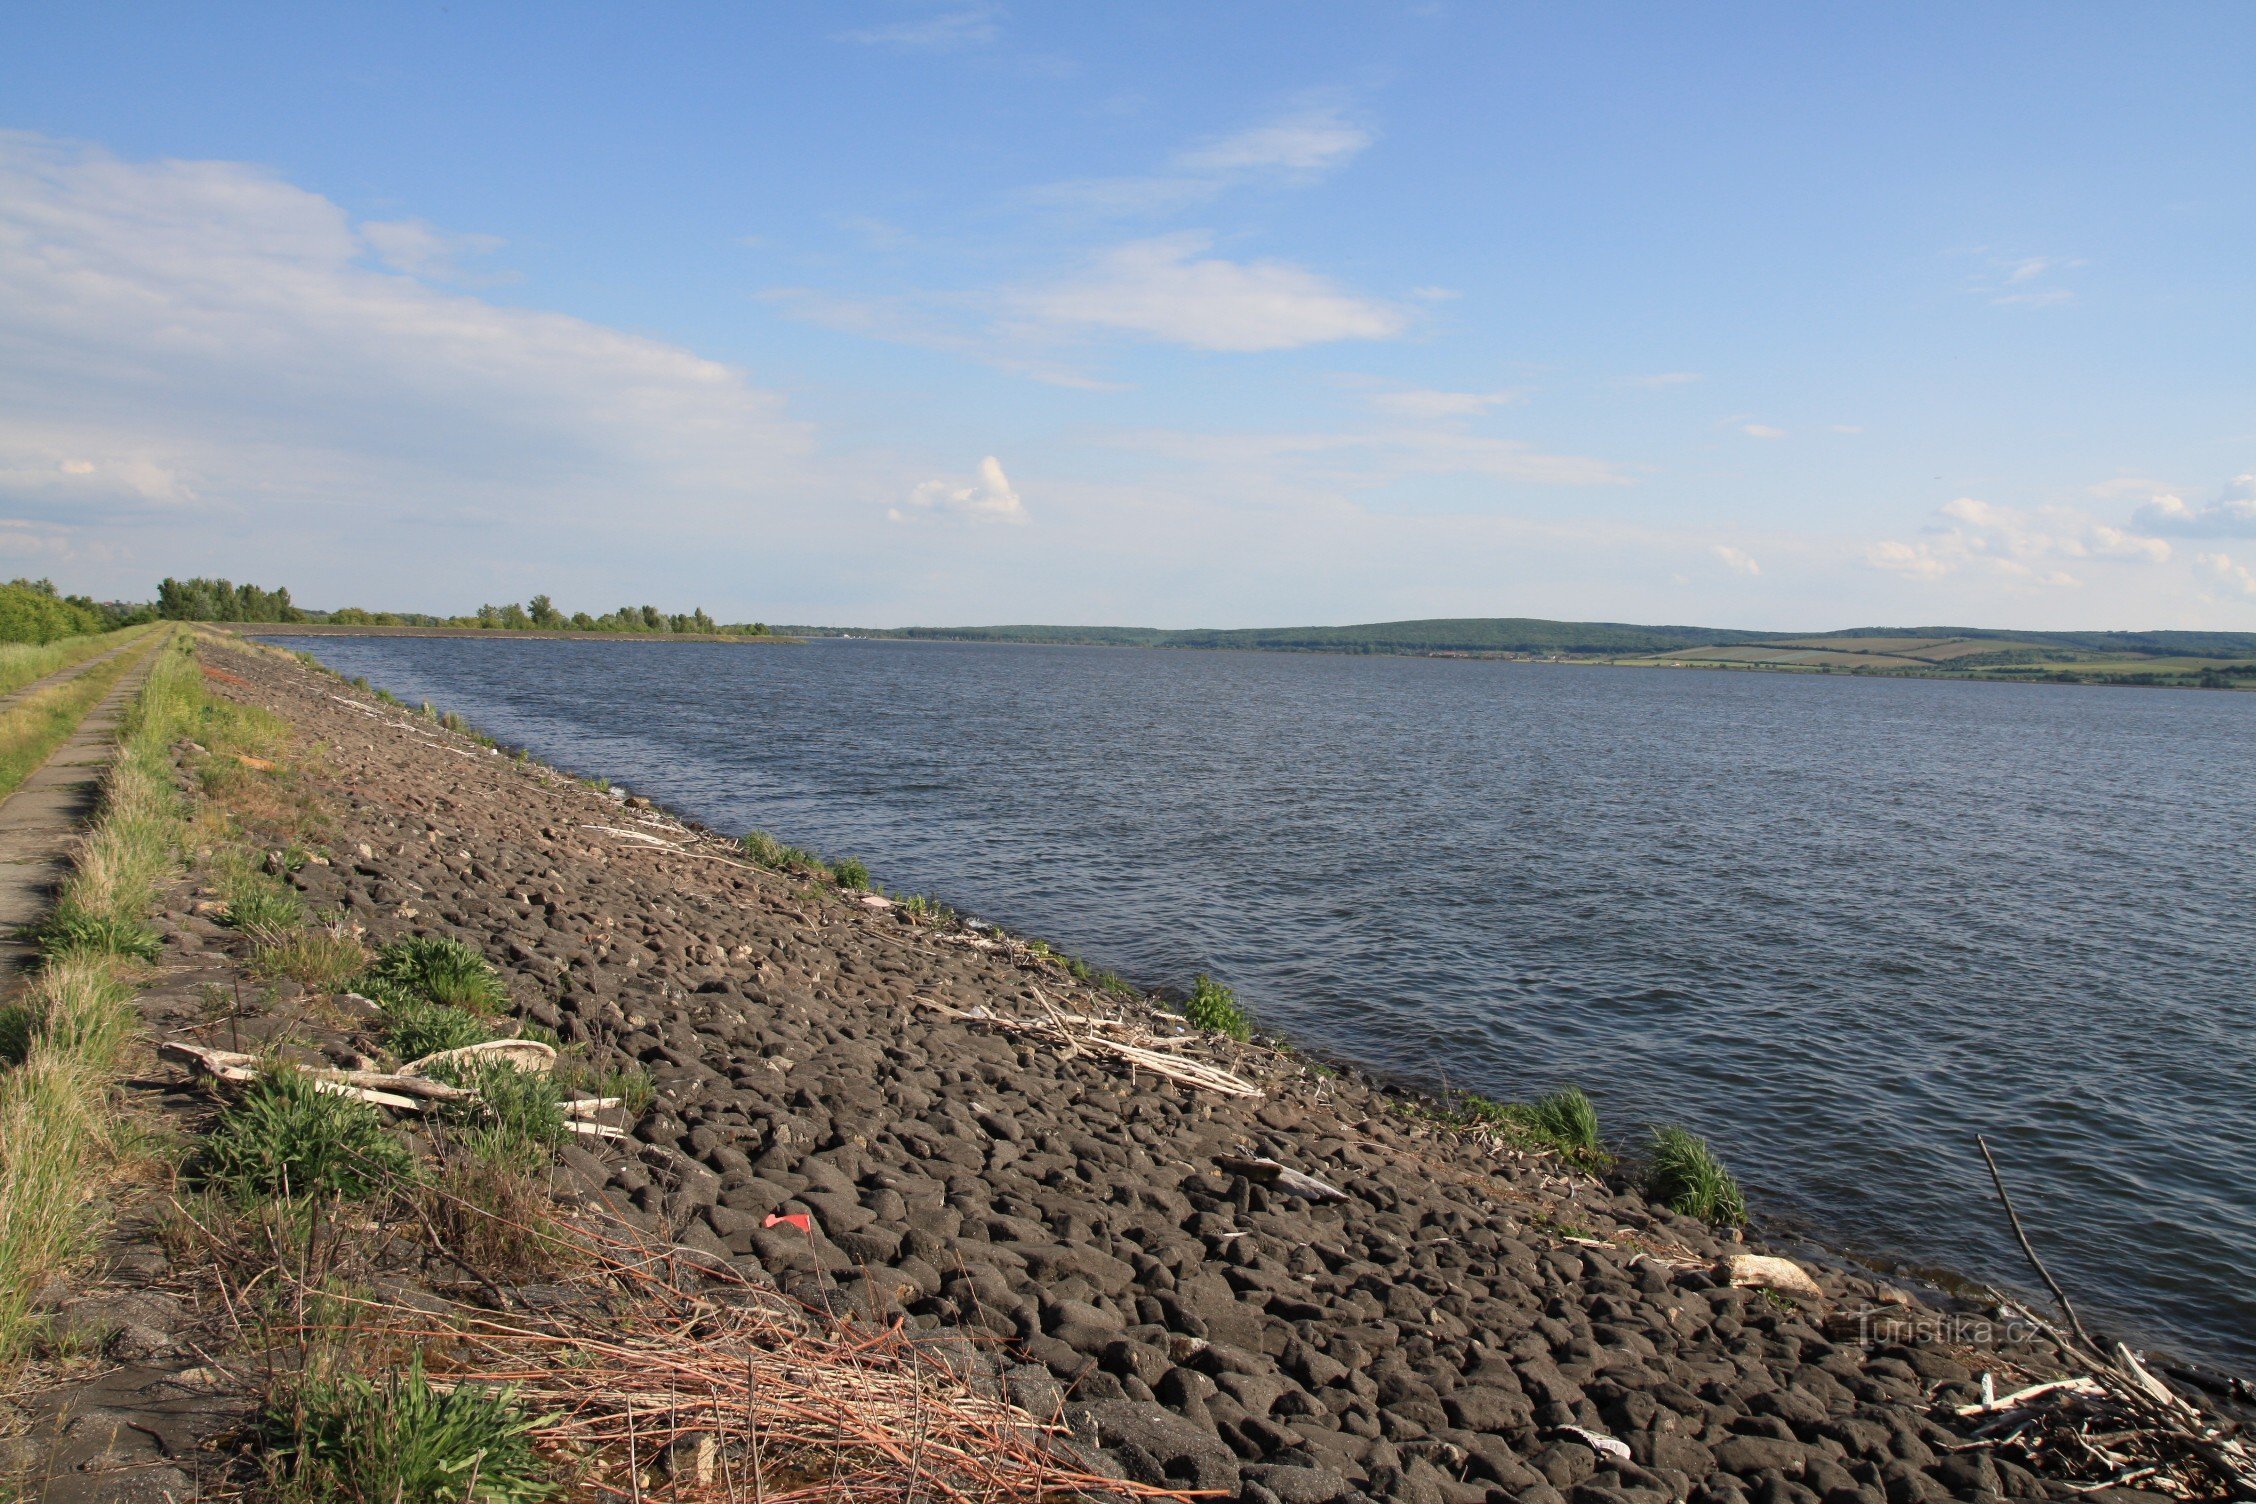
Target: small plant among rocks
73, 929
259, 905
1683, 1175
438, 970
1214, 1008
283, 1137
323, 960
1564, 1122
413, 1028
850, 873
402, 1441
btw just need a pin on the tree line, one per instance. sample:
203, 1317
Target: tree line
221, 600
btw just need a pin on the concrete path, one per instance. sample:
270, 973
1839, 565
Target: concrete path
65, 675
39, 819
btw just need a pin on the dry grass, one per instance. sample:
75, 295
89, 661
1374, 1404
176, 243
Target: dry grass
321, 960
24, 663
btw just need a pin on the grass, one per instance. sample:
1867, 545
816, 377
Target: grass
24, 663
1214, 1008
413, 1027
62, 1036
403, 1441
261, 906
766, 851
32, 728
517, 1119
284, 1138
439, 970
630, 1083
850, 872
1564, 1122
329, 959
1682, 1174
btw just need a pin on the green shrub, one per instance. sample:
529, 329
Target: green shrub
439, 970
517, 1118
1564, 1122
413, 1027
849, 872
263, 906
283, 1137
630, 1083
72, 929
765, 850
1214, 1008
1682, 1175
404, 1442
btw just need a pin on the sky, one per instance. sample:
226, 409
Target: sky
886, 313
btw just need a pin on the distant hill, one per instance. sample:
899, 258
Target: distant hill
1523, 634
2212, 660
1479, 634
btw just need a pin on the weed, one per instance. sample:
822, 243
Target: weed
261, 905
630, 1083
850, 872
496, 1217
283, 1137
600, 785
324, 960
413, 1027
1214, 1008
1563, 1121
72, 929
517, 1117
402, 1441
1684, 1176
439, 970
765, 850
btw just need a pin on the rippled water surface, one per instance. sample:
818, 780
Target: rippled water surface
1837, 925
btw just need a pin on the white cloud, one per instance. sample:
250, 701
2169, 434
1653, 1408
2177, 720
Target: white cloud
1295, 149
1418, 405
1164, 289
2028, 547
424, 250
198, 342
949, 31
2231, 515
1362, 460
990, 498
1735, 560
2223, 566
1314, 142
1761, 431
2024, 281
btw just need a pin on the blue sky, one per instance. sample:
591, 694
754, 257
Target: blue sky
1175, 315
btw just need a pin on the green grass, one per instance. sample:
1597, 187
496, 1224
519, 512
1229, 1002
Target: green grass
630, 1083
58, 1135
24, 663
413, 1027
1684, 1176
1564, 1122
1214, 1008
259, 905
35, 726
517, 1119
284, 1138
850, 872
401, 1441
325, 960
439, 970
766, 851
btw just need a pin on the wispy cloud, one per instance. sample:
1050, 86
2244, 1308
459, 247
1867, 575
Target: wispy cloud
199, 342
2038, 547
1299, 148
989, 498
1663, 380
1761, 431
1425, 404
424, 250
2022, 281
2226, 569
1165, 288
951, 30
2231, 515
1358, 459
1735, 560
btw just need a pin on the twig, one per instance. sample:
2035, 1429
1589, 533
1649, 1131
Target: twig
2066, 1307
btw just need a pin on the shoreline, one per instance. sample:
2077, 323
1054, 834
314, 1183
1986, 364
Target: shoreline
940, 1115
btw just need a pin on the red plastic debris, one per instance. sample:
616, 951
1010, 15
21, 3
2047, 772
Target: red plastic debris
800, 1220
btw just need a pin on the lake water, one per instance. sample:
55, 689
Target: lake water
1837, 925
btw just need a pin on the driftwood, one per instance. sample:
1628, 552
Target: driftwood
406, 1089
1103, 1038
1763, 1272
2115, 1417
1281, 1177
